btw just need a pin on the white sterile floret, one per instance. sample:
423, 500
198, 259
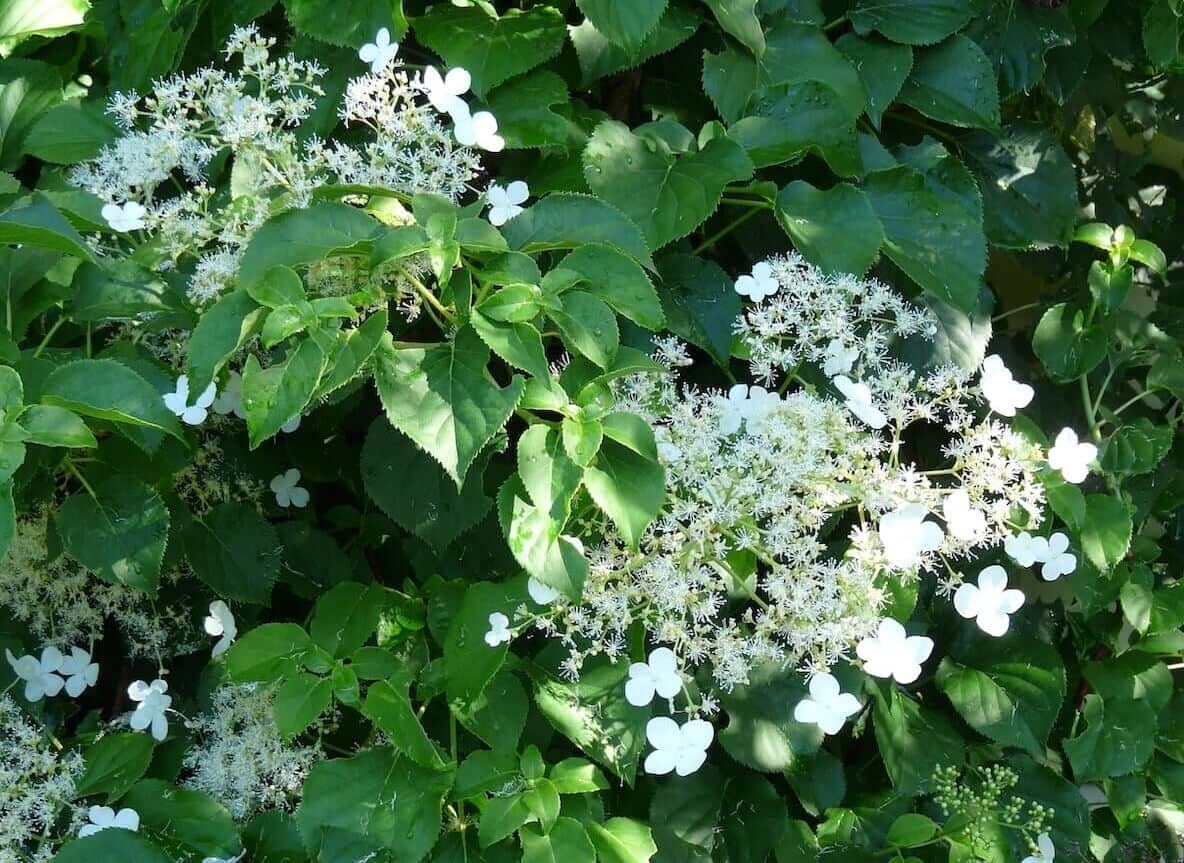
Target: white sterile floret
1071, 457
152, 703
128, 217
1026, 549
178, 402
659, 675
380, 52
543, 594
499, 629
827, 707
1045, 851
1003, 393
444, 91
963, 521
478, 130
230, 398
105, 818
1058, 560
757, 285
221, 624
40, 675
991, 603
859, 401
79, 671
235, 859
287, 489
906, 536
681, 748
746, 404
840, 358
893, 653
505, 202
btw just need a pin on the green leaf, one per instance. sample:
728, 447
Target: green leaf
1066, 346
567, 842
267, 653
121, 290
53, 426
389, 707
567, 221
122, 845
235, 551
913, 740
577, 776
910, 829
913, 22
761, 731
300, 701
624, 24
21, 19
492, 49
345, 617
1132, 675
588, 327
593, 714
351, 353
618, 280
1016, 36
1009, 692
439, 398
1029, 187
121, 535
7, 518
961, 339
1132, 450
38, 223
932, 216
701, 304
809, 118
182, 820
836, 230
28, 88
469, 662
354, 800
279, 286
628, 486
738, 18
109, 390
537, 542
113, 765
71, 132
667, 195
306, 236
882, 67
523, 107
221, 330
1119, 738
410, 487
520, 345
498, 716
275, 396
547, 474
953, 83
349, 23
622, 840
1105, 531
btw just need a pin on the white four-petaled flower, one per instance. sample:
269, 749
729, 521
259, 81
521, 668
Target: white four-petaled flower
963, 521
505, 202
380, 52
128, 217
541, 593
906, 536
1058, 560
991, 603
759, 284
859, 401
178, 402
893, 653
1026, 549
827, 707
106, 818
1045, 851
681, 748
840, 359
230, 399
1003, 394
444, 91
287, 489
479, 130
40, 675
499, 629
79, 671
658, 675
746, 404
1071, 457
221, 625
153, 702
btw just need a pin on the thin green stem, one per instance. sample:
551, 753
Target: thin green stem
48, 336
723, 232
1015, 311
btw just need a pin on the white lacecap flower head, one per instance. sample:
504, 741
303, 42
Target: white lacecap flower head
40, 675
659, 675
760, 283
287, 489
893, 653
499, 629
859, 401
444, 91
991, 603
1071, 457
1003, 394
963, 521
1045, 851
152, 704
126, 217
178, 402
380, 52
79, 671
505, 202
542, 594
477, 130
105, 818
906, 536
827, 707
221, 624
681, 748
